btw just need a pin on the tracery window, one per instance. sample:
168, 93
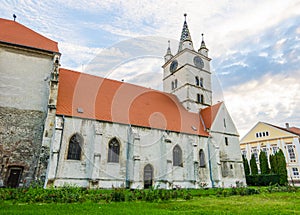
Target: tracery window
113, 151
177, 156
74, 150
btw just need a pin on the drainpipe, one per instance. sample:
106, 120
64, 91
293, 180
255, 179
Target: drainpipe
127, 182
209, 164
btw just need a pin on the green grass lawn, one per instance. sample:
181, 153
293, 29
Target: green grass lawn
264, 203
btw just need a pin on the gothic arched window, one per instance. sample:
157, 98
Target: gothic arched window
113, 151
74, 151
177, 156
197, 81
202, 158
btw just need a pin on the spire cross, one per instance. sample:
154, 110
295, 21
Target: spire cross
169, 43
185, 16
202, 37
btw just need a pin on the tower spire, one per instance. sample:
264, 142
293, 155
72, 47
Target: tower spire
168, 55
203, 50
185, 38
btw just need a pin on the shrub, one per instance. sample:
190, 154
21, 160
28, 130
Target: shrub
262, 180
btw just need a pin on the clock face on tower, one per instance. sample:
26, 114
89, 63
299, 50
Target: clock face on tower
198, 62
173, 65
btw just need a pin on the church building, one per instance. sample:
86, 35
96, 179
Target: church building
100, 133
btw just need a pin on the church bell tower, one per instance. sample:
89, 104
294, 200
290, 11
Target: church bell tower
187, 73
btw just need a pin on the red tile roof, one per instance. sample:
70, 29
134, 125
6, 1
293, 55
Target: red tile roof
295, 130
114, 101
16, 33
209, 114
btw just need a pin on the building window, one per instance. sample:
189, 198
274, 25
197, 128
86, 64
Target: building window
74, 151
295, 171
172, 85
274, 149
201, 82
264, 149
177, 156
226, 141
255, 152
200, 98
244, 153
291, 152
224, 122
197, 81
175, 83
113, 151
202, 158
231, 166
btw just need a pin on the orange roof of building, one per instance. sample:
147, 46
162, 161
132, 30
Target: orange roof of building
295, 130
86, 96
209, 114
15, 33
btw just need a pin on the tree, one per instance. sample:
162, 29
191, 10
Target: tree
253, 165
246, 165
278, 166
281, 165
263, 163
273, 164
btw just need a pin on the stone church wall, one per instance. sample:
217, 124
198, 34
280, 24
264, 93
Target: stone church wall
21, 136
139, 147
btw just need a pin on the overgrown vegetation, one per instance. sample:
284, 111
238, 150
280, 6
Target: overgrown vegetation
71, 194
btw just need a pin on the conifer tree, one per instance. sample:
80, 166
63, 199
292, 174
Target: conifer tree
253, 165
263, 163
246, 165
281, 167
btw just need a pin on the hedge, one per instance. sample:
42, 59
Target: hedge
262, 180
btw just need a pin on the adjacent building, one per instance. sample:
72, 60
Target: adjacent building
268, 138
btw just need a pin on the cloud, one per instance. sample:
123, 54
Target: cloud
251, 42
271, 98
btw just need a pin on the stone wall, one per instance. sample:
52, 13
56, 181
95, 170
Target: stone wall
20, 141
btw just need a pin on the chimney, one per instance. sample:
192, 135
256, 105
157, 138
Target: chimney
287, 125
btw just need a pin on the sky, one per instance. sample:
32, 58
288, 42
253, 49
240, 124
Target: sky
254, 46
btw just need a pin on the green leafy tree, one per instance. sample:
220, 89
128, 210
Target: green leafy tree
253, 165
263, 163
246, 165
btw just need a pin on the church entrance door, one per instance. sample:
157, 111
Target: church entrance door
148, 176
14, 176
